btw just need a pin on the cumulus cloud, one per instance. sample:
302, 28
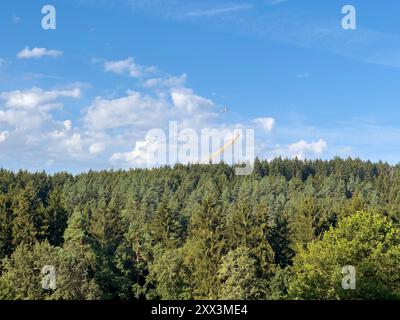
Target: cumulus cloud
128, 67
146, 153
32, 129
115, 130
185, 99
135, 109
73, 143
108, 128
63, 131
30, 99
37, 53
97, 148
302, 149
267, 123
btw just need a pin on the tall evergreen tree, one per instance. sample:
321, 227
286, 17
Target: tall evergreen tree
5, 226
27, 221
205, 244
56, 218
165, 227
280, 240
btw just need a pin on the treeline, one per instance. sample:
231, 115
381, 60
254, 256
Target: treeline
201, 232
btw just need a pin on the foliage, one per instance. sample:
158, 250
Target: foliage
201, 232
367, 241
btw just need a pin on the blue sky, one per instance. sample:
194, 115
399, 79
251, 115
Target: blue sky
112, 70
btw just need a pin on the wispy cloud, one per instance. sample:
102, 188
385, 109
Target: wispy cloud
294, 27
37, 53
274, 2
31, 99
128, 67
220, 10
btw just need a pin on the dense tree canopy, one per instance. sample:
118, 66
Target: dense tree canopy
201, 232
367, 241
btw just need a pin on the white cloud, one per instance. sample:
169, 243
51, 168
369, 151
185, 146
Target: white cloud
33, 131
219, 11
3, 136
97, 148
73, 143
171, 82
30, 99
128, 67
36, 53
302, 149
63, 131
67, 125
113, 130
267, 123
185, 99
274, 2
135, 109
142, 155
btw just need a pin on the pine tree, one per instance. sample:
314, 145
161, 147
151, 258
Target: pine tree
27, 221
106, 225
248, 227
79, 262
203, 249
5, 227
280, 240
302, 223
165, 227
77, 232
137, 240
56, 217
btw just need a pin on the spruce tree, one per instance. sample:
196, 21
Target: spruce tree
5, 226
165, 227
205, 244
27, 222
56, 218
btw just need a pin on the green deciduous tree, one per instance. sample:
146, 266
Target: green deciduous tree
238, 279
369, 242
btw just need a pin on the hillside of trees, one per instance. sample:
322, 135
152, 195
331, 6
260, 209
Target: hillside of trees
200, 232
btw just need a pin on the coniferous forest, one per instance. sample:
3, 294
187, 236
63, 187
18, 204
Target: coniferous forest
201, 232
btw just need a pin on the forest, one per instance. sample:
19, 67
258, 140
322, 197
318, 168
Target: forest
200, 232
